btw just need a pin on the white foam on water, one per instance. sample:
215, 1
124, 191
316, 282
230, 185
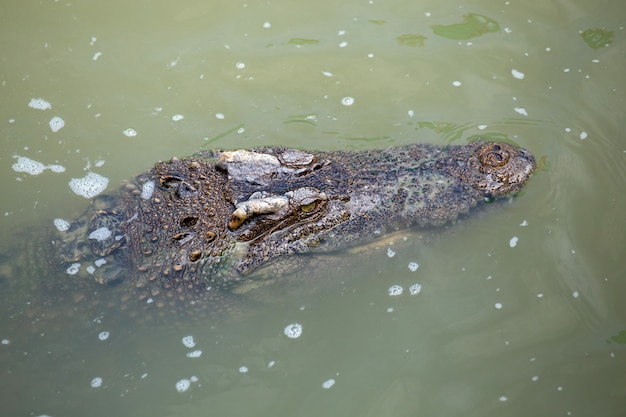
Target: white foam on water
395, 290
456, 83
390, 252
520, 110
73, 269
498, 306
517, 74
89, 186
413, 266
328, 383
347, 101
183, 385
130, 132
243, 369
100, 262
96, 382
100, 234
513, 241
90, 269
194, 354
415, 289
61, 225
293, 331
56, 168
39, 104
147, 189
188, 341
33, 167
177, 117
56, 124
5, 341
103, 335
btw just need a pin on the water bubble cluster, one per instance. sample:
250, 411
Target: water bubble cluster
183, 385
147, 189
32, 167
56, 124
100, 234
39, 104
89, 186
130, 132
328, 383
395, 290
61, 225
415, 289
188, 341
96, 382
293, 331
103, 335
413, 266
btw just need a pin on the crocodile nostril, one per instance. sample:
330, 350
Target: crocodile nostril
188, 221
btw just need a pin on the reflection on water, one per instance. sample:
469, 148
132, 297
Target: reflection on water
532, 328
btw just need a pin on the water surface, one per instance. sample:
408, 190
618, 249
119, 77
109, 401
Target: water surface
532, 328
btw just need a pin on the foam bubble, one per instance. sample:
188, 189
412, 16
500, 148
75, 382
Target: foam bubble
390, 252
33, 167
100, 234
243, 369
73, 269
395, 290
91, 269
328, 383
183, 385
96, 382
39, 104
27, 165
347, 101
194, 354
293, 331
188, 341
513, 241
520, 110
413, 266
517, 74
498, 306
103, 335
100, 262
56, 168
147, 189
61, 225
5, 341
177, 117
56, 123
415, 289
90, 185
130, 132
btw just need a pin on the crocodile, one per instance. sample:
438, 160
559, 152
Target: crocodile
193, 228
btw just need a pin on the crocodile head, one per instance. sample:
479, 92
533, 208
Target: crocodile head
205, 223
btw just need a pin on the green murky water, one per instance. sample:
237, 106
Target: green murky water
531, 328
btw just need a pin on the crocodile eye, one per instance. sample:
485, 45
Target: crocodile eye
307, 208
493, 156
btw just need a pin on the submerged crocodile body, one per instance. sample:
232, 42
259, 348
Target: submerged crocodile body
191, 228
